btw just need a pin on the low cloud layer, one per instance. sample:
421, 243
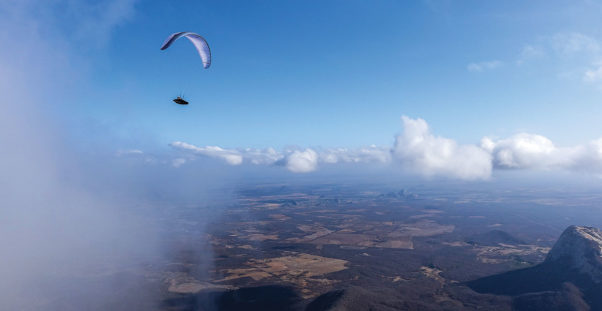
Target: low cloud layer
417, 150
296, 160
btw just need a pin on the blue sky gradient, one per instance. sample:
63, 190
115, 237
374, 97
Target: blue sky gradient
341, 73
441, 88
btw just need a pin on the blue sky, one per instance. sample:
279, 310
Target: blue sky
482, 84
341, 73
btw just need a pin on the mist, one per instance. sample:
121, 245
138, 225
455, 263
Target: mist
78, 225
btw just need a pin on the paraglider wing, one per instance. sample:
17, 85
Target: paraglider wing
199, 43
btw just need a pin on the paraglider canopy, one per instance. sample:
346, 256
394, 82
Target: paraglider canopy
199, 42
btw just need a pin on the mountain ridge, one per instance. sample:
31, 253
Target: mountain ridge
575, 259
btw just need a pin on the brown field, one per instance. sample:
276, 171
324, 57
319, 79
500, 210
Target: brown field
382, 235
261, 237
300, 269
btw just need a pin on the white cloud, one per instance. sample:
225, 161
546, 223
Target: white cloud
530, 52
262, 156
177, 162
371, 154
521, 151
295, 160
572, 43
593, 74
232, 157
417, 150
587, 158
420, 151
573, 54
483, 66
561, 45
129, 152
302, 161
530, 151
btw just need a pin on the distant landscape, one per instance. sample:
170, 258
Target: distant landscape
357, 247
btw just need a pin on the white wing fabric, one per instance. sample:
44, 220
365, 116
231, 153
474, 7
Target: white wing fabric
199, 43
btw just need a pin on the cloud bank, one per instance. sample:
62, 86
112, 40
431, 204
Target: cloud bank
418, 151
296, 160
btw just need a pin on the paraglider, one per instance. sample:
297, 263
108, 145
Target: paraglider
201, 46
180, 101
199, 42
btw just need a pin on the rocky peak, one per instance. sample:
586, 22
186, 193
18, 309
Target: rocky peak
579, 248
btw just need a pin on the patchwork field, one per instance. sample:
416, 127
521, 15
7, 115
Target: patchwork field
412, 251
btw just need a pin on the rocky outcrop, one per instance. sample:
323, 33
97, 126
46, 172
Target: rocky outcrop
575, 259
579, 249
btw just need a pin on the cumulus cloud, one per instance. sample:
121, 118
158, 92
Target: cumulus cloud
302, 161
483, 66
521, 151
417, 149
530, 151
